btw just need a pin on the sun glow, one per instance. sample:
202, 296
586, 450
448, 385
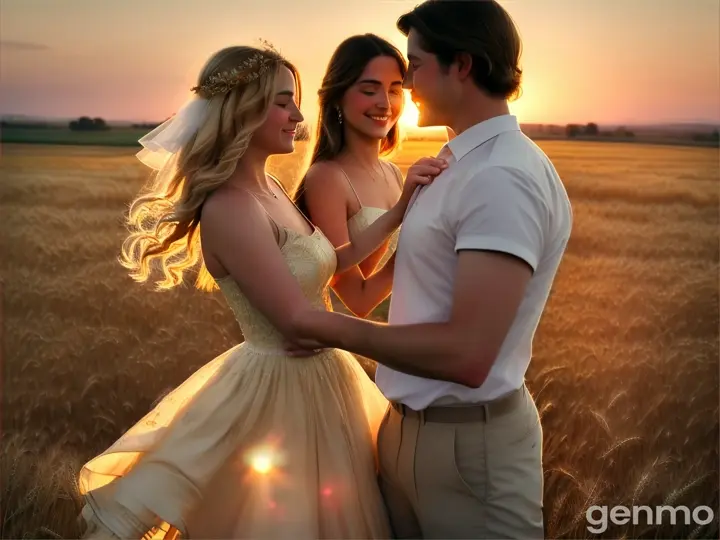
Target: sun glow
409, 116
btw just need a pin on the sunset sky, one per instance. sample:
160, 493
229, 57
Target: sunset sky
606, 61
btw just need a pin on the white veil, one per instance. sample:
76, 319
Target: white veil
163, 142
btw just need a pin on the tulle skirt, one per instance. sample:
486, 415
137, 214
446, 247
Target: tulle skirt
254, 444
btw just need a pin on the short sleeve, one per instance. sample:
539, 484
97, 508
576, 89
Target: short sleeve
500, 209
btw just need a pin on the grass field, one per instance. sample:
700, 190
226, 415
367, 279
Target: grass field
626, 358
64, 136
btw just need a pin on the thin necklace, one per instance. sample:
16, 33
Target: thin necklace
261, 192
384, 174
272, 191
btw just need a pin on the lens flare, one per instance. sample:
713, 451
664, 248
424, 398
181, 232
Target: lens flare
262, 460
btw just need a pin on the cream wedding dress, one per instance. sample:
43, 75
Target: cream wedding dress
255, 444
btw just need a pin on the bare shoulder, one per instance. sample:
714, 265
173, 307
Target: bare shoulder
326, 187
231, 213
216, 206
325, 176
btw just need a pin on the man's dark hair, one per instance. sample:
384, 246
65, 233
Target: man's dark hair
481, 28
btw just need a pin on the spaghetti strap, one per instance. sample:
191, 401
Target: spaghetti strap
398, 176
312, 225
280, 229
351, 186
278, 182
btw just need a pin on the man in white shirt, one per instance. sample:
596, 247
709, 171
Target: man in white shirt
461, 445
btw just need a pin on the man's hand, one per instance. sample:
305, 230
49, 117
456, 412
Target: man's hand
303, 348
315, 325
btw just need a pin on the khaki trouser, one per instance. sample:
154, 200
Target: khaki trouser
464, 472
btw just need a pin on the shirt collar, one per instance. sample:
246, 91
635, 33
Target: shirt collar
480, 133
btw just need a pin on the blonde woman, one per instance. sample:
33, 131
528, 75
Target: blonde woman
256, 443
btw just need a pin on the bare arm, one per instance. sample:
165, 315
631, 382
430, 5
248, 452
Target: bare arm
371, 264
363, 297
489, 289
499, 224
326, 196
238, 233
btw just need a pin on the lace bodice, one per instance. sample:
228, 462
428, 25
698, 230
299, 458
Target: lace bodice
311, 259
362, 219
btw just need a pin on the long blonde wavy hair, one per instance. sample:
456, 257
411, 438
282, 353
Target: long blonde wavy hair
164, 220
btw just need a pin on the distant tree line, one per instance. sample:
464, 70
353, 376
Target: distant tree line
303, 132
146, 125
709, 137
591, 130
85, 123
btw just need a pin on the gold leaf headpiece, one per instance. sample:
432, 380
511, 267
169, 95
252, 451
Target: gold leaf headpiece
249, 70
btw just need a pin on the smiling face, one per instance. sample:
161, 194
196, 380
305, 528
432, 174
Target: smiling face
277, 134
433, 89
373, 104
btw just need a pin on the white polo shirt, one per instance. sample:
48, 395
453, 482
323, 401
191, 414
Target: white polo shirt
501, 193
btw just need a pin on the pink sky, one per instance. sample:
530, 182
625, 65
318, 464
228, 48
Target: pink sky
605, 61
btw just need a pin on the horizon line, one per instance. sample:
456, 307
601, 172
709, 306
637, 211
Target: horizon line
706, 121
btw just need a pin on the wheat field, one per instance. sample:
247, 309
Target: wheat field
625, 371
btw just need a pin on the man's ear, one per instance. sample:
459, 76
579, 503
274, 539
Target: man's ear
464, 63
